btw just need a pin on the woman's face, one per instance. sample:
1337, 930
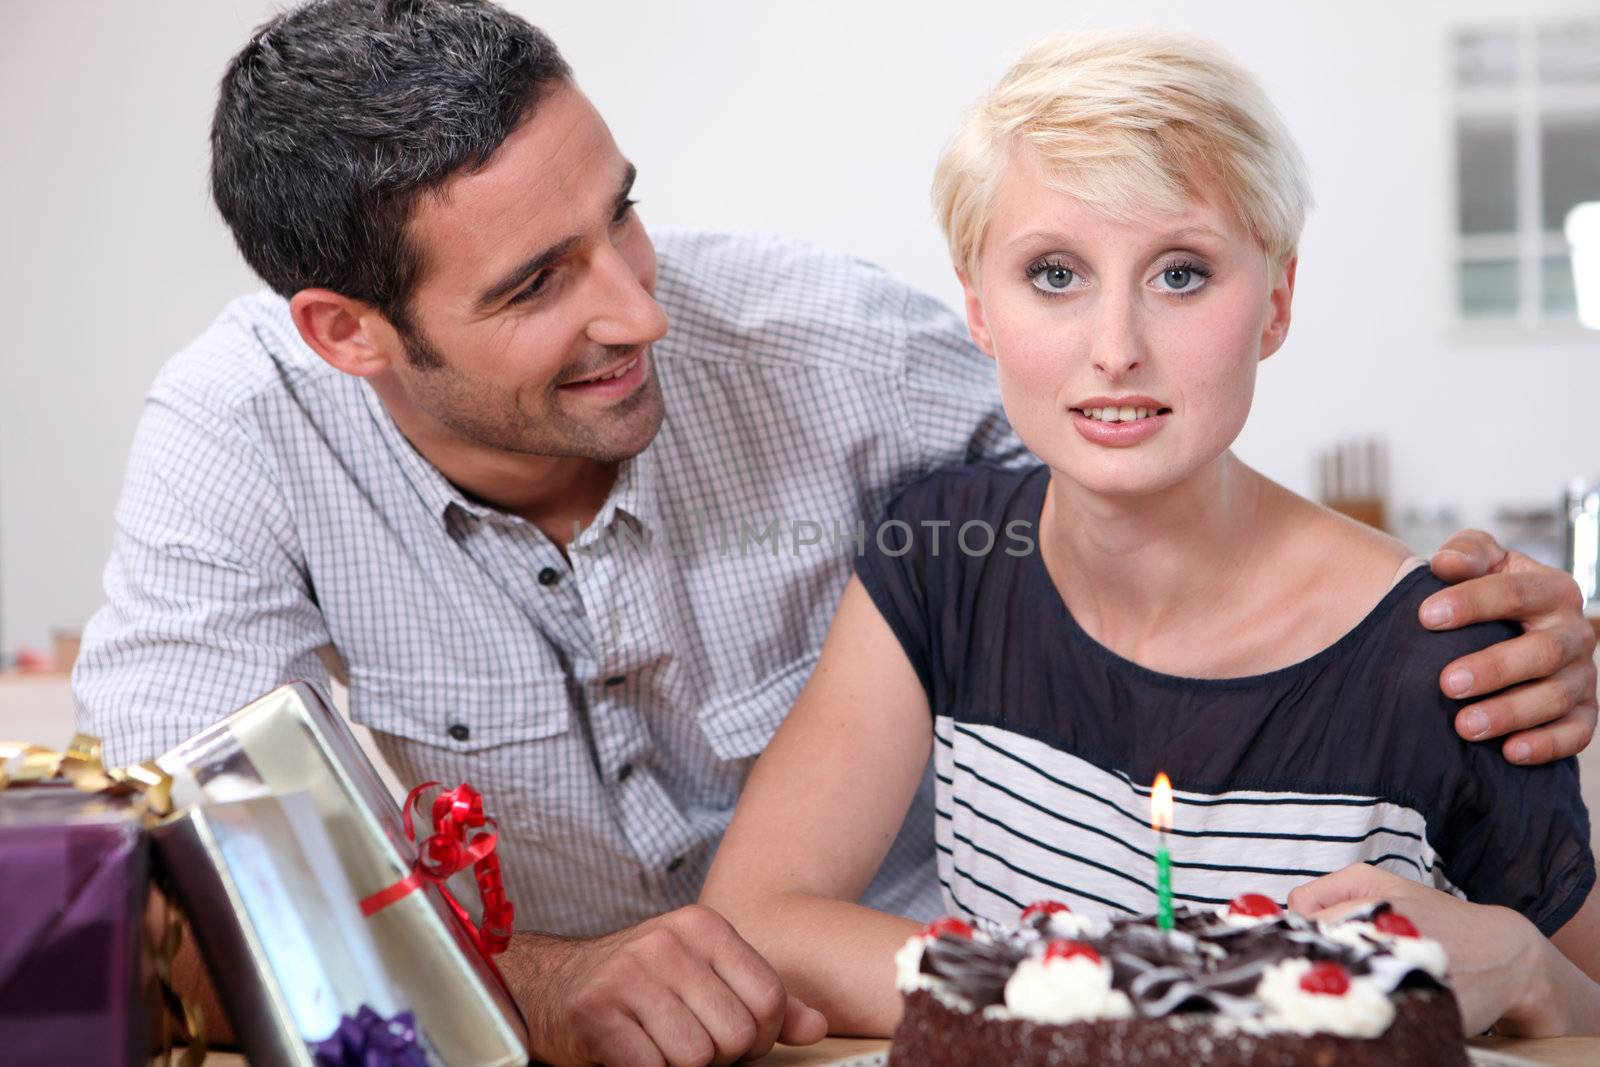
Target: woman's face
1127, 352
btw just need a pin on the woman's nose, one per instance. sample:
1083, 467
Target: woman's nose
1118, 344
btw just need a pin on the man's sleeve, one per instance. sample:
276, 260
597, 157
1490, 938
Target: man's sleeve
207, 604
951, 391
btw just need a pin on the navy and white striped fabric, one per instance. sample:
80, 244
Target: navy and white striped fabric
1046, 745
608, 707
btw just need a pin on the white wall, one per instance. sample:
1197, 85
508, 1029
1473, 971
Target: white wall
817, 120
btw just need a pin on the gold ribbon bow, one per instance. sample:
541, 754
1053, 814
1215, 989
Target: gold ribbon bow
80, 764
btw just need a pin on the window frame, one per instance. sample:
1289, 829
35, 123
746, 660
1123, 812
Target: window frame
1529, 105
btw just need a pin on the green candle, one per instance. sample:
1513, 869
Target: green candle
1163, 886
1161, 822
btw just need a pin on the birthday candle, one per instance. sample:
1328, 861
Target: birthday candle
1161, 822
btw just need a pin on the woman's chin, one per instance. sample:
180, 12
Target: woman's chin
1121, 479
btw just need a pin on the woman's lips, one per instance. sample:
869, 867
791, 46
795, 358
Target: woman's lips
1119, 434
613, 388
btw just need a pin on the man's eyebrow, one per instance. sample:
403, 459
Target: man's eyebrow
514, 278
523, 271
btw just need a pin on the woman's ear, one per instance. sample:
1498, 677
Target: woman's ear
1279, 301
350, 334
977, 323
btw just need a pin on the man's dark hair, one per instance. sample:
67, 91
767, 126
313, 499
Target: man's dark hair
339, 114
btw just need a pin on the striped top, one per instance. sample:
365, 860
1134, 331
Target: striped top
1047, 742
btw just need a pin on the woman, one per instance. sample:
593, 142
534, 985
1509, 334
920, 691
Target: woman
1123, 210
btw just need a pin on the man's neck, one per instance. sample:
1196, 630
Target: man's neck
558, 494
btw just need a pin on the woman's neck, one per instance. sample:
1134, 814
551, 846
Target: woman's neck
1142, 568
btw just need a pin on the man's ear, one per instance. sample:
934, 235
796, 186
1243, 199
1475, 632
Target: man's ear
977, 323
350, 334
1279, 301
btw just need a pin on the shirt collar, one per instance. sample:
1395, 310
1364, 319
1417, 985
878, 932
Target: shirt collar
632, 499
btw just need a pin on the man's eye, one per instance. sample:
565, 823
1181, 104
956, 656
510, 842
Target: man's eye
624, 211
530, 291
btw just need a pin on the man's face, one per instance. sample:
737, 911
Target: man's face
532, 318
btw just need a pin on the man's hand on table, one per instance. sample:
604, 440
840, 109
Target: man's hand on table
680, 989
1551, 714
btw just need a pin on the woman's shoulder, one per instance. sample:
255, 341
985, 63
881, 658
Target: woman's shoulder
1339, 547
1407, 641
1371, 575
1325, 575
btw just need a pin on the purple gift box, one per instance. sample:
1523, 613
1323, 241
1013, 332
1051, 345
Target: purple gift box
74, 878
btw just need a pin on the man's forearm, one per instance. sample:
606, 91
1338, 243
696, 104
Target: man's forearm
533, 964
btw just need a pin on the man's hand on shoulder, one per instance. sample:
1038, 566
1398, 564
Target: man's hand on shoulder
680, 989
1543, 681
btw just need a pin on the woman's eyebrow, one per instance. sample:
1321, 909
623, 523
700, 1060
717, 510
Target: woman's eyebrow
1191, 231
1181, 234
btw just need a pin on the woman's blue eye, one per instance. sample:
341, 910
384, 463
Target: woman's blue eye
1181, 279
1052, 279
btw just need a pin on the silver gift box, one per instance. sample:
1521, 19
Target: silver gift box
290, 741
277, 922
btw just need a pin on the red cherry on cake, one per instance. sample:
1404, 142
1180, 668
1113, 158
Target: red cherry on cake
1326, 977
1253, 905
947, 927
1395, 925
1043, 907
1065, 950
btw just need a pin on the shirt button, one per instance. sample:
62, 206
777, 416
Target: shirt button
460, 731
672, 867
624, 772
616, 679
549, 576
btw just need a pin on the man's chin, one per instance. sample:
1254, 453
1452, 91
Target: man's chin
627, 432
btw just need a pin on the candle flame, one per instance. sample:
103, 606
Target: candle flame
1161, 803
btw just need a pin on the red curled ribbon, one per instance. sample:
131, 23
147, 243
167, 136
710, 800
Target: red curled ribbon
449, 850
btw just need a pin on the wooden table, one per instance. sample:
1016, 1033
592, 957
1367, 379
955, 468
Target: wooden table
1549, 1052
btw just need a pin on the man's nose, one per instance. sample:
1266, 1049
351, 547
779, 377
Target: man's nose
627, 313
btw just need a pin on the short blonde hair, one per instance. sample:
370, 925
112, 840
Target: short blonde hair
1129, 122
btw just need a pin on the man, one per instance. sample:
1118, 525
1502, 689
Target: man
578, 560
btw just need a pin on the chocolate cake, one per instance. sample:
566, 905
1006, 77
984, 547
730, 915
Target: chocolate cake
1248, 985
